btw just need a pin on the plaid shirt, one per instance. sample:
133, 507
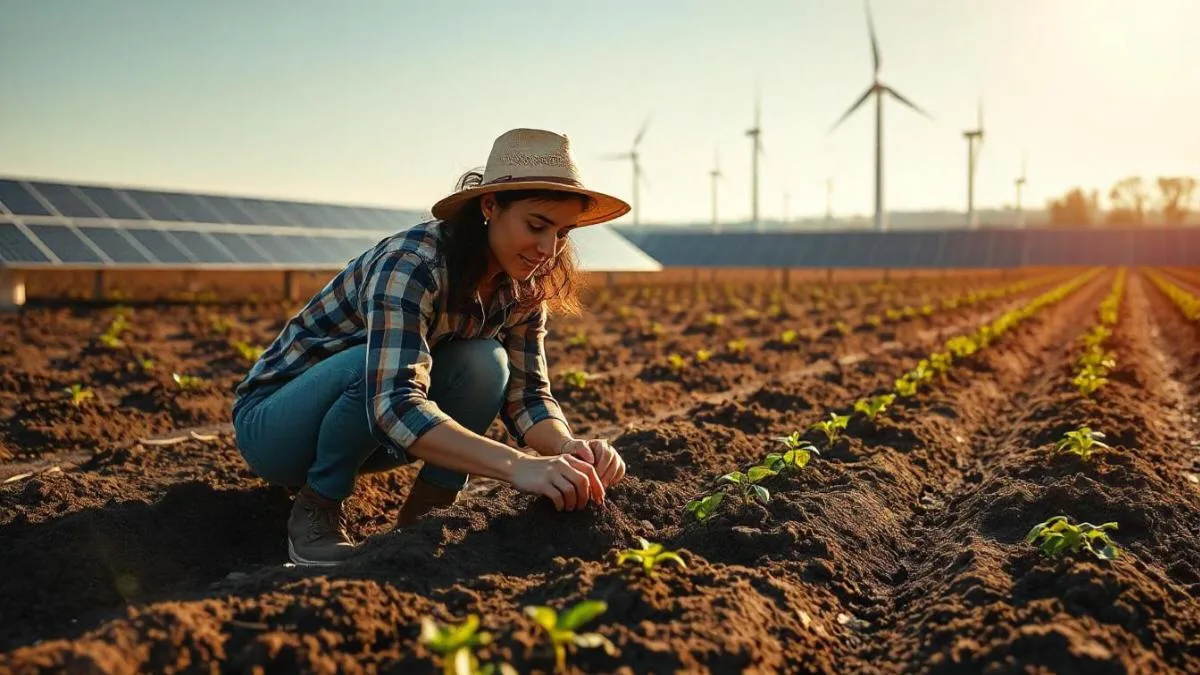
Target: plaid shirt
392, 298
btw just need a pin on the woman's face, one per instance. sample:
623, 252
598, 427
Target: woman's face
528, 233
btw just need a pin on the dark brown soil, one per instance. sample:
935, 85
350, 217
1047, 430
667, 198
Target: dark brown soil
899, 549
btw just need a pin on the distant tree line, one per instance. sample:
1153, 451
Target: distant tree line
1132, 202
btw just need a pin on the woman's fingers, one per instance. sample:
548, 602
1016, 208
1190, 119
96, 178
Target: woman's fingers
590, 486
563, 493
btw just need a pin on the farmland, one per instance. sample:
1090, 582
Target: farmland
851, 473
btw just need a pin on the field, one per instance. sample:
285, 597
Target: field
135, 539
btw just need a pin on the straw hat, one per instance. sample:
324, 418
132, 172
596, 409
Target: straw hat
533, 159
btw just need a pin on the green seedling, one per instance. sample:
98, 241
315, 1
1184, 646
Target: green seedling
842, 327
703, 355
186, 382
904, 387
656, 329
1081, 442
751, 314
1058, 535
562, 629
832, 427
737, 346
677, 362
714, 320
1098, 359
796, 455
146, 364
872, 407
1088, 381
456, 645
939, 362
648, 556
747, 483
221, 326
788, 337
576, 379
874, 321
578, 340
961, 346
704, 507
248, 352
78, 394
111, 341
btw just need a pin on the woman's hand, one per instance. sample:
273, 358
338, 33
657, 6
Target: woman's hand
568, 481
600, 454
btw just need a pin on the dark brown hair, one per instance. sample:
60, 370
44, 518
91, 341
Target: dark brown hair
466, 246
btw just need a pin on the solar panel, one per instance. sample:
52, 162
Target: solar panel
241, 247
66, 200
229, 210
19, 201
64, 243
117, 245
15, 247
160, 246
110, 203
204, 248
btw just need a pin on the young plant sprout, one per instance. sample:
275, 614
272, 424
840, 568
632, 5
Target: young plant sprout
832, 427
747, 483
939, 362
676, 362
1088, 381
904, 387
577, 340
737, 346
456, 644
248, 352
562, 629
1058, 535
79, 394
1097, 359
146, 364
575, 379
648, 556
221, 326
714, 320
704, 507
788, 337
1081, 442
703, 355
795, 457
842, 327
872, 407
187, 381
961, 346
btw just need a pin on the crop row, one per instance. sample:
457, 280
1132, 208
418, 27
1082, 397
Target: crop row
796, 452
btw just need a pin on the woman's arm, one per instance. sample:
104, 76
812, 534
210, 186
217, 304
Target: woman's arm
530, 412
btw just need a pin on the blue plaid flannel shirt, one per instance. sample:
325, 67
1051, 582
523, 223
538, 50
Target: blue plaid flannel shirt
390, 298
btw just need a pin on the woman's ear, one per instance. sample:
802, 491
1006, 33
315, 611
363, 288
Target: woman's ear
487, 206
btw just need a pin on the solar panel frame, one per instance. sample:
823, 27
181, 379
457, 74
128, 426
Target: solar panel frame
67, 244
111, 203
162, 246
204, 249
65, 199
117, 244
19, 201
17, 248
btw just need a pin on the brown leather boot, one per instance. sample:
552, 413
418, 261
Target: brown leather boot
423, 498
317, 531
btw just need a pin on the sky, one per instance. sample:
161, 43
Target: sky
387, 102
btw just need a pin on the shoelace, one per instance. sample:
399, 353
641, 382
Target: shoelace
325, 520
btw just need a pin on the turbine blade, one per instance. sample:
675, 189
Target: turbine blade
641, 132
874, 42
857, 104
906, 102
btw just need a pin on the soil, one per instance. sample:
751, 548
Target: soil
136, 539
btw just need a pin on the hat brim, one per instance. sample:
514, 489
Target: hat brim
605, 207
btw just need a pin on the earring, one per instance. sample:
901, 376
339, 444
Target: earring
485, 222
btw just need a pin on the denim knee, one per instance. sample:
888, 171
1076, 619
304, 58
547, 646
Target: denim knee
471, 368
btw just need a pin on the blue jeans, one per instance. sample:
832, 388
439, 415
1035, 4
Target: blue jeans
314, 429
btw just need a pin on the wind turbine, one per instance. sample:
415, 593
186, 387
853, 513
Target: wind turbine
756, 152
829, 199
1020, 183
878, 89
715, 175
974, 142
638, 176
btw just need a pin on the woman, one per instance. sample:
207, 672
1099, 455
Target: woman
413, 350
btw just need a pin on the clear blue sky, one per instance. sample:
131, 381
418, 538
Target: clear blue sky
388, 101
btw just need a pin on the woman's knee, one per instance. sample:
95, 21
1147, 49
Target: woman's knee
477, 367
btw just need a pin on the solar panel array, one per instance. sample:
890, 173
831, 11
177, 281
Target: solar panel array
57, 225
923, 249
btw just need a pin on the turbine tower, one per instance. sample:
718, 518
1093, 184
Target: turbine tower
974, 143
756, 152
638, 176
829, 199
1020, 183
715, 175
877, 88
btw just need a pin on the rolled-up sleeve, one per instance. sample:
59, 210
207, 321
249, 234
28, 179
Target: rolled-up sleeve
528, 399
400, 290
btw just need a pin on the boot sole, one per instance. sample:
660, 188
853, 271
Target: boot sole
299, 560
